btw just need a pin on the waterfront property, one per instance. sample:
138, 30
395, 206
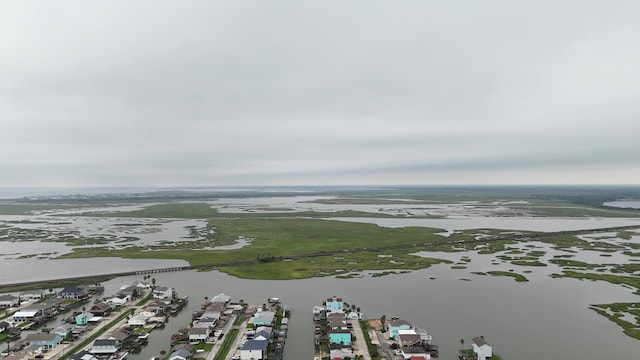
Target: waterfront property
9, 301
44, 340
163, 293
83, 355
481, 348
334, 304
395, 325
263, 317
104, 348
31, 295
74, 292
84, 318
27, 315
181, 354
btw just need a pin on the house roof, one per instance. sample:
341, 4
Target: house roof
71, 290
255, 345
105, 342
161, 289
4, 324
408, 339
221, 298
119, 335
41, 337
198, 330
265, 316
26, 313
182, 353
413, 350
398, 322
83, 355
8, 297
479, 341
101, 306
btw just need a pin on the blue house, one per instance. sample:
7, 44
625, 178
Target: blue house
43, 340
263, 318
334, 304
339, 336
395, 325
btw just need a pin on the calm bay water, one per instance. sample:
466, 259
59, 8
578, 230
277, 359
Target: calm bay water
541, 319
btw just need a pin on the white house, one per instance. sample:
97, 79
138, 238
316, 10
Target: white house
9, 301
221, 298
105, 347
481, 348
31, 295
163, 293
253, 350
117, 300
21, 316
138, 320
199, 333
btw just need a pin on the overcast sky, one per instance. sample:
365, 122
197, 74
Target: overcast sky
168, 93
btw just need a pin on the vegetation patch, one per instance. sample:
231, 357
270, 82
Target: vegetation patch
528, 263
615, 312
631, 281
515, 276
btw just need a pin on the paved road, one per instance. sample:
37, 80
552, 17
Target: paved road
360, 343
385, 350
225, 331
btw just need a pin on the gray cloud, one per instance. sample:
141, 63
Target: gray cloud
331, 92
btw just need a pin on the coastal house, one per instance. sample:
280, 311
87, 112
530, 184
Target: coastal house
101, 309
221, 299
117, 300
199, 333
254, 350
104, 348
481, 348
83, 318
27, 315
334, 304
74, 292
414, 353
64, 330
131, 291
264, 318
395, 325
9, 301
31, 295
180, 354
138, 320
163, 293
83, 355
338, 352
44, 340
3, 326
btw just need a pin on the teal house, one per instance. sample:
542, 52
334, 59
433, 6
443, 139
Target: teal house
83, 318
334, 304
342, 337
264, 318
395, 325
